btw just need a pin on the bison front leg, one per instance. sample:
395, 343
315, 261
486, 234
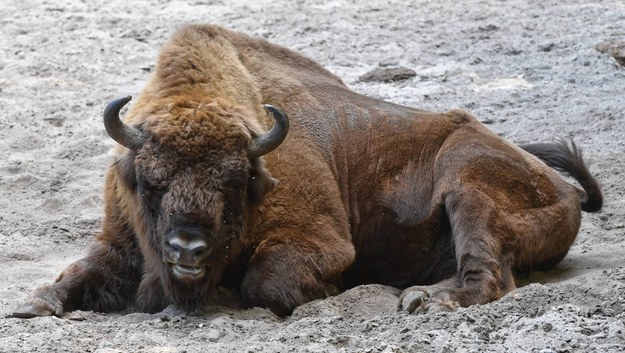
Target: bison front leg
105, 280
483, 251
151, 296
289, 269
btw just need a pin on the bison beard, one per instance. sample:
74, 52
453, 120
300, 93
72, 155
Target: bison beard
369, 192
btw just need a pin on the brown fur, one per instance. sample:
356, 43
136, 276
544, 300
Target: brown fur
368, 192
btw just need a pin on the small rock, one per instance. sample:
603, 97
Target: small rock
546, 47
513, 51
75, 316
387, 74
613, 48
488, 28
213, 335
55, 121
140, 35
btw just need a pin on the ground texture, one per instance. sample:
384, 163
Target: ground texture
529, 69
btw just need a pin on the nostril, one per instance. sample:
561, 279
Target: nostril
198, 249
188, 251
173, 248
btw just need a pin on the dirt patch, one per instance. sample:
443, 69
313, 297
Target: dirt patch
527, 68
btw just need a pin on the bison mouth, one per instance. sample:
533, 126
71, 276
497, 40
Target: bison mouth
188, 272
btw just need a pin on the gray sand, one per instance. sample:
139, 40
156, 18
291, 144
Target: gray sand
527, 68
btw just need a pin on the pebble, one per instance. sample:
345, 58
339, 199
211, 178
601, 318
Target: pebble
615, 49
387, 74
213, 335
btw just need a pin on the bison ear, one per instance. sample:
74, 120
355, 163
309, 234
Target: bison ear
260, 183
126, 169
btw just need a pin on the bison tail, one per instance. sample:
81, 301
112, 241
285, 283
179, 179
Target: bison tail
568, 160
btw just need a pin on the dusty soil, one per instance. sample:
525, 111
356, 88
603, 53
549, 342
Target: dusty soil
528, 69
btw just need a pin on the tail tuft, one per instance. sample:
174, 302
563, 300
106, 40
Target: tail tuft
568, 160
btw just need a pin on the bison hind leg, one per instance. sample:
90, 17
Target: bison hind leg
483, 248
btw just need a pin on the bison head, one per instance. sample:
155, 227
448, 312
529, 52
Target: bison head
193, 174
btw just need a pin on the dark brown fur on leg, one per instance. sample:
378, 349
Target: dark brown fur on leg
150, 295
484, 273
106, 280
478, 245
287, 272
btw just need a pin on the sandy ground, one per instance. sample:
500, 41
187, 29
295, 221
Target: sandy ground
527, 68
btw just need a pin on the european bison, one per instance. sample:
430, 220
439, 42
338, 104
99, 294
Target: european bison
368, 191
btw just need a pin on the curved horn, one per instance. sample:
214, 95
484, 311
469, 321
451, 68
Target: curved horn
125, 135
270, 140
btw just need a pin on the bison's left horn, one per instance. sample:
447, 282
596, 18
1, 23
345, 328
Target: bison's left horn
270, 140
125, 135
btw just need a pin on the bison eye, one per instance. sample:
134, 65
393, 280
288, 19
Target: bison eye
150, 194
232, 206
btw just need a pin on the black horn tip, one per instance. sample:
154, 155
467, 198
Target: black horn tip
126, 99
112, 109
269, 141
273, 110
125, 135
278, 115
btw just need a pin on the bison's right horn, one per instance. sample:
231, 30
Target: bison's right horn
125, 135
270, 140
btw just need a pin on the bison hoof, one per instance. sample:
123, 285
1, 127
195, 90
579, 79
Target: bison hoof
413, 298
44, 301
417, 300
440, 304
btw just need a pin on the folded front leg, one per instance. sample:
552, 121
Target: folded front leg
290, 268
105, 280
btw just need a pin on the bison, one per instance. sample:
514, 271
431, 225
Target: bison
207, 189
